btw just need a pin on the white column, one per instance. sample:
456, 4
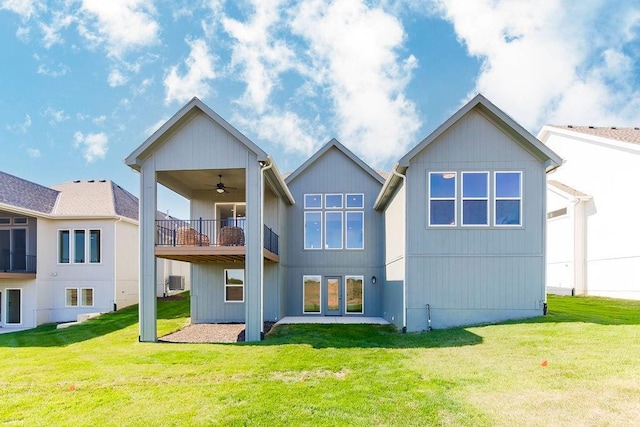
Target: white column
253, 257
148, 302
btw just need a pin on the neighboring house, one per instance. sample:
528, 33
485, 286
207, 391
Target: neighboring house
458, 225
65, 250
592, 215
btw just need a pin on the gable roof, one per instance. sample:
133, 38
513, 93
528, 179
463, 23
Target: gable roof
334, 143
622, 134
101, 198
25, 194
499, 117
570, 191
183, 115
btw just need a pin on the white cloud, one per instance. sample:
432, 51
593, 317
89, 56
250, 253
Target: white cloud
34, 153
56, 116
195, 82
94, 145
553, 62
20, 127
58, 71
51, 32
260, 55
23, 33
25, 8
116, 78
99, 120
354, 53
155, 126
120, 25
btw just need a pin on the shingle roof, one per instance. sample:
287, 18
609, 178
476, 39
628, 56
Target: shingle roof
628, 134
95, 198
25, 194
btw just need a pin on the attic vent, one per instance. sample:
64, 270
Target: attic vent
592, 127
570, 126
76, 181
91, 180
613, 127
176, 283
103, 180
636, 128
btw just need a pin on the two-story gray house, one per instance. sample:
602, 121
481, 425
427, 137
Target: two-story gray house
454, 235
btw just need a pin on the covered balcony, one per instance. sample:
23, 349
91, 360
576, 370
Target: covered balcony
17, 265
209, 240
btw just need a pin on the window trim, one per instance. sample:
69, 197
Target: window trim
463, 198
71, 288
455, 199
72, 246
346, 311
326, 205
59, 258
346, 240
313, 194
496, 199
346, 204
15, 222
81, 297
5, 220
304, 278
226, 285
306, 247
342, 225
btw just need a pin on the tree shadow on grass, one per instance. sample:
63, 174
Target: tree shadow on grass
48, 336
366, 336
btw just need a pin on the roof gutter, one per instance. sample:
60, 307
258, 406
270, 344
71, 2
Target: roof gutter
271, 165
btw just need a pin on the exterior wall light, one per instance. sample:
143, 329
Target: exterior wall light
373, 280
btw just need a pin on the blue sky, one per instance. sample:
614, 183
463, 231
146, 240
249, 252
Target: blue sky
84, 82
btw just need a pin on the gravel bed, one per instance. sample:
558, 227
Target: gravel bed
210, 333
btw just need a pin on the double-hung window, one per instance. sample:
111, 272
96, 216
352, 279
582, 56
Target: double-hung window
508, 198
442, 198
234, 285
475, 198
85, 297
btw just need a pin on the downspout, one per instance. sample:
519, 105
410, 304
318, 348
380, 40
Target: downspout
115, 270
404, 282
268, 165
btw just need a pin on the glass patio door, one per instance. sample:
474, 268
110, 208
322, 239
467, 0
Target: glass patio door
333, 291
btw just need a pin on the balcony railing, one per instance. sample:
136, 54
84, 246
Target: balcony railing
208, 232
17, 262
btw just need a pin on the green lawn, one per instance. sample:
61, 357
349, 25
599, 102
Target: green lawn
98, 374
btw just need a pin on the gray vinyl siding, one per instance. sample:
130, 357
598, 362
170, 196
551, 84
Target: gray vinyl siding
482, 274
275, 217
201, 144
334, 172
207, 295
395, 228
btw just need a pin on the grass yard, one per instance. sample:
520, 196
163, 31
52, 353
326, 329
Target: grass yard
580, 365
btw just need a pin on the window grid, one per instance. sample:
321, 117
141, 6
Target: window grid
234, 285
500, 221
436, 199
79, 246
466, 198
344, 209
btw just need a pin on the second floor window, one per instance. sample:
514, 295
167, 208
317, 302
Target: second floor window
335, 221
73, 246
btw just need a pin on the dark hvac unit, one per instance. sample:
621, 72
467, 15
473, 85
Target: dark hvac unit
176, 283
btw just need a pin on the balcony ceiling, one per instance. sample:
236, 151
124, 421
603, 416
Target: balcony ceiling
186, 182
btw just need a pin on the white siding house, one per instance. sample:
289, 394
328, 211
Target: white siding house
592, 212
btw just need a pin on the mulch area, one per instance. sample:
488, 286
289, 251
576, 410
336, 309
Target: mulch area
211, 333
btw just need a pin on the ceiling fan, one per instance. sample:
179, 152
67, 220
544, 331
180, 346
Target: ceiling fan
221, 188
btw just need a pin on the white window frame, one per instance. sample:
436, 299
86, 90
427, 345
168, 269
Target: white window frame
346, 203
306, 247
81, 298
463, 198
304, 278
345, 294
15, 222
333, 212
496, 199
5, 306
319, 195
326, 205
77, 297
72, 246
346, 243
455, 199
5, 220
224, 281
